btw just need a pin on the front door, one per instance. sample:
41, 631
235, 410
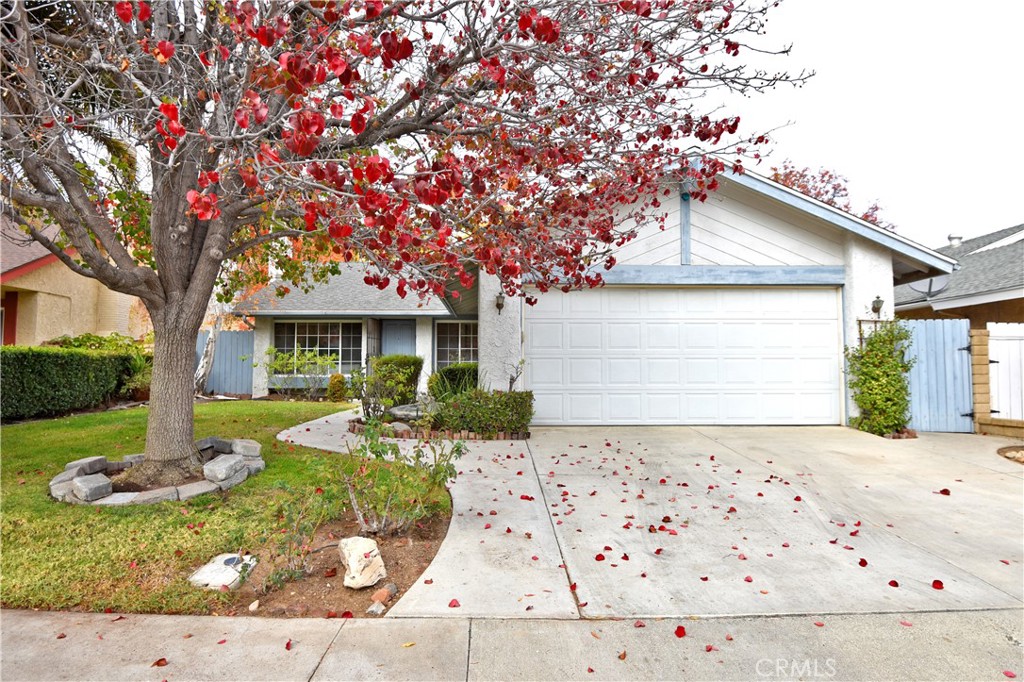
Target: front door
398, 337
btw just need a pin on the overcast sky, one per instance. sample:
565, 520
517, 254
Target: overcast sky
920, 104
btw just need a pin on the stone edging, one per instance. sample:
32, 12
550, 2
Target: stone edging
357, 427
226, 463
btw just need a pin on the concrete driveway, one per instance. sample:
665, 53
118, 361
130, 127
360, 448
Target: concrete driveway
727, 521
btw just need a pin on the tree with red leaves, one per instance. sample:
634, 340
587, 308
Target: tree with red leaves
429, 139
827, 186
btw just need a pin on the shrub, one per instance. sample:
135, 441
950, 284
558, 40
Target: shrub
113, 342
451, 380
46, 381
487, 412
878, 378
408, 366
337, 388
381, 390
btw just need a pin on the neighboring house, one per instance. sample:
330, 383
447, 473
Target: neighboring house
737, 312
987, 287
43, 299
347, 318
988, 290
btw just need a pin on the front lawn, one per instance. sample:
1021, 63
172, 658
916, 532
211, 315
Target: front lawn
138, 558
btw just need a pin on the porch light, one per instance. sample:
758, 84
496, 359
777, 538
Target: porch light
876, 306
499, 302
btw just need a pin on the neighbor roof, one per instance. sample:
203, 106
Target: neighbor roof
17, 249
343, 295
991, 269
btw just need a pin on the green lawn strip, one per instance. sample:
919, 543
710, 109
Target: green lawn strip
138, 558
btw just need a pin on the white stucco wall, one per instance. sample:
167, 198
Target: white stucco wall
500, 336
425, 349
868, 275
263, 338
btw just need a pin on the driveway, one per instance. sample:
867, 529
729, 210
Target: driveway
725, 521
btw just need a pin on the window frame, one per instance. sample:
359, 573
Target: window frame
461, 334
341, 367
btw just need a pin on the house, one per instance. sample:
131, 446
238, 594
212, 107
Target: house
737, 312
347, 318
987, 290
43, 299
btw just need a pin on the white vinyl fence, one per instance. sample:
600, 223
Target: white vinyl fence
1006, 370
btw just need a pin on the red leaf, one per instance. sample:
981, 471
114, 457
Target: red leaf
358, 123
819, 624
331, 614
288, 645
242, 118
1004, 561
862, 563
428, 581
709, 648
937, 585
158, 663
906, 624
144, 11
330, 572
680, 631
599, 557
164, 51
748, 579
704, 578
61, 636
1010, 674
893, 583
346, 614
108, 610
639, 624
454, 604
223, 641
659, 550
798, 499
124, 11
944, 491
590, 670
622, 656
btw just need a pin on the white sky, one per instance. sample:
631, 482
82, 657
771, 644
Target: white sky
919, 104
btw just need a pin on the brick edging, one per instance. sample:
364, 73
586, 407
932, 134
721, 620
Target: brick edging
355, 426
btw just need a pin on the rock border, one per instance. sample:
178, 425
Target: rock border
226, 463
410, 433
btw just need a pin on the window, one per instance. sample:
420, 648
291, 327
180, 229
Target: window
455, 342
344, 339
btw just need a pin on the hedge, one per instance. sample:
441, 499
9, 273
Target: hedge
487, 412
411, 365
453, 379
46, 381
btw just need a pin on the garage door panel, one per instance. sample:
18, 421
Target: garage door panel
685, 356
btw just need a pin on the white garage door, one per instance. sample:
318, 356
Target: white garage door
685, 356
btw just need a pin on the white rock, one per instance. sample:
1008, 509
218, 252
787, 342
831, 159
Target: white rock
255, 606
362, 561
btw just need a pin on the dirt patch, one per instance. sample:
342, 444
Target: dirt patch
1014, 452
321, 592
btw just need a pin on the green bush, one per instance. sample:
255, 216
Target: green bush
46, 381
337, 388
118, 343
878, 378
407, 366
451, 380
487, 412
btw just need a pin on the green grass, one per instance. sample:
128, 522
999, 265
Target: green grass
138, 558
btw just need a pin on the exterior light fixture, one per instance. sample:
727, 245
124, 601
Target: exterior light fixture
876, 306
499, 302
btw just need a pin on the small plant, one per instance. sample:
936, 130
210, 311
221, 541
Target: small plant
878, 378
390, 489
292, 543
337, 388
451, 380
301, 372
380, 391
487, 412
408, 366
139, 377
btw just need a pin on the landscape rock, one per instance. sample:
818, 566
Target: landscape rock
168, 494
254, 607
116, 467
88, 465
362, 561
223, 570
255, 465
92, 487
190, 490
60, 491
246, 447
376, 609
67, 476
240, 476
117, 499
400, 428
223, 467
413, 411
135, 459
222, 446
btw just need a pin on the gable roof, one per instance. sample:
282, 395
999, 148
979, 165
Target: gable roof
342, 295
911, 261
991, 269
19, 252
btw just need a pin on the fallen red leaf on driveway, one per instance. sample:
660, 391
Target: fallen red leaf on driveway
680, 631
454, 604
288, 645
893, 583
158, 663
937, 585
61, 636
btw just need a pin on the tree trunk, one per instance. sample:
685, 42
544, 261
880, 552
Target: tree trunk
171, 455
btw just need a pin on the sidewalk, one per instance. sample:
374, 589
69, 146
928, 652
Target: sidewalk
934, 646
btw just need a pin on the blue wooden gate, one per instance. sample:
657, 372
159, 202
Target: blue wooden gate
941, 397
232, 362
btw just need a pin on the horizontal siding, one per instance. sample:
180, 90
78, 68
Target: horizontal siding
654, 245
735, 227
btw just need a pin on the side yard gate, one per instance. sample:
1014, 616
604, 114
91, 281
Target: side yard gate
940, 382
1006, 370
231, 374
